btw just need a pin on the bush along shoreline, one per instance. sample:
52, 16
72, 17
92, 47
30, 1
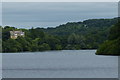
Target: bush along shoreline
88, 34
112, 45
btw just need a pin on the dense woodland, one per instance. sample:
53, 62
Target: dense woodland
112, 45
88, 34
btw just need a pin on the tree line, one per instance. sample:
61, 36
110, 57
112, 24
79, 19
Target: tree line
88, 34
112, 45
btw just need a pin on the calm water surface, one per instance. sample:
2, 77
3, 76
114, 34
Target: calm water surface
59, 64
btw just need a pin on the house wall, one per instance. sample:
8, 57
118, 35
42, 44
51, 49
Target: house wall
14, 35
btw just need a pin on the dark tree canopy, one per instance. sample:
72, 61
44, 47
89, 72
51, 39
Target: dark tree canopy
88, 34
112, 45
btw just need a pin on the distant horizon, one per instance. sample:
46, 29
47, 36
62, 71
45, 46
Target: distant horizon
50, 14
18, 27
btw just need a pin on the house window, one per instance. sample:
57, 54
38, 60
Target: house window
22, 34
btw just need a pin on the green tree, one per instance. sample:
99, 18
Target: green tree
24, 44
11, 45
44, 47
112, 46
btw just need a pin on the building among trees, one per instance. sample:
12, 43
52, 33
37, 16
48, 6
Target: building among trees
15, 34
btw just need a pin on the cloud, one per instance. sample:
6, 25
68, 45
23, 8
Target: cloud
60, 0
45, 14
0, 14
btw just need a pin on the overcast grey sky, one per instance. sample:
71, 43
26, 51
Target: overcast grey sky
52, 14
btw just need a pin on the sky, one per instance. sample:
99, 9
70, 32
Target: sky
0, 13
60, 0
52, 14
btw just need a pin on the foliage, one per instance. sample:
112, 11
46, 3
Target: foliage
88, 34
111, 46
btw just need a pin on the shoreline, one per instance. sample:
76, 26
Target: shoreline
47, 51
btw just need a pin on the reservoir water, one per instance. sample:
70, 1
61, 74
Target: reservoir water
59, 64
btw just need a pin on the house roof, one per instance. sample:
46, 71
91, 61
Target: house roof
16, 32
